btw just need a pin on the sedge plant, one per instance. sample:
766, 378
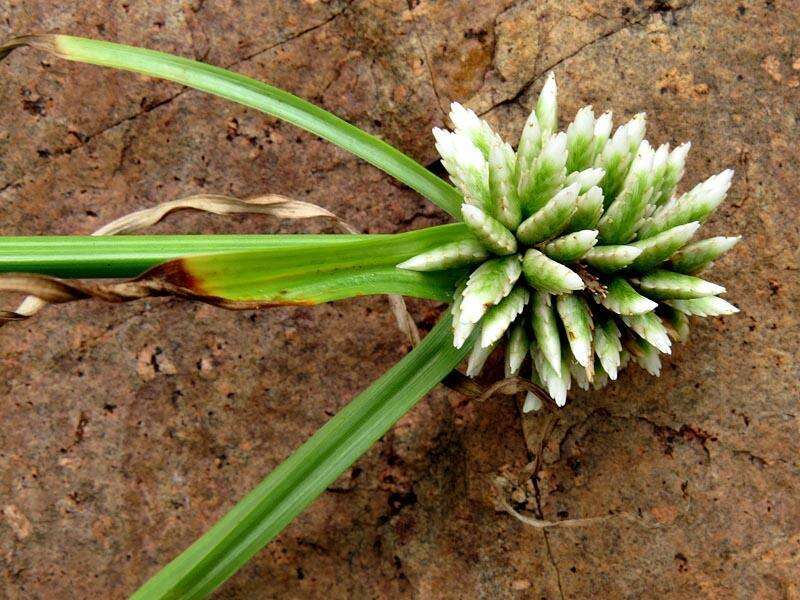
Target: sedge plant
573, 251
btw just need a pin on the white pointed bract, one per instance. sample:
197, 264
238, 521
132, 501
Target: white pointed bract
545, 177
588, 210
608, 259
579, 374
622, 299
645, 355
503, 185
461, 329
478, 357
699, 255
602, 129
490, 232
530, 144
499, 317
448, 256
488, 284
617, 155
607, 345
556, 383
517, 347
668, 285
548, 275
571, 247
547, 106
657, 174
649, 327
580, 135
551, 218
545, 328
468, 124
605, 205
710, 306
587, 179
695, 205
673, 172
578, 325
660, 247
467, 167
622, 217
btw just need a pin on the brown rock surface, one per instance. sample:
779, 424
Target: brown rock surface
127, 430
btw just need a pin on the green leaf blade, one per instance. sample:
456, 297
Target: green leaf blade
296, 482
254, 94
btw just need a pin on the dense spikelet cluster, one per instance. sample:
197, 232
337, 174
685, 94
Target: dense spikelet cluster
581, 254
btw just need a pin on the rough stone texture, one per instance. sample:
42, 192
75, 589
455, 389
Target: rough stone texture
127, 430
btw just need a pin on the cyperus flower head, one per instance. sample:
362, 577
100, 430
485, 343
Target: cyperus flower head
581, 254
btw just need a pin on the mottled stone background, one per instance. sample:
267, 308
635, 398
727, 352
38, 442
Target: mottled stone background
126, 431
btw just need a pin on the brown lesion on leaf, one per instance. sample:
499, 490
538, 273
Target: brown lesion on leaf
174, 278
46, 42
176, 275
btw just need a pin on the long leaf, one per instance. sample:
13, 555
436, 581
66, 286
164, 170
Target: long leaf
296, 482
255, 94
130, 255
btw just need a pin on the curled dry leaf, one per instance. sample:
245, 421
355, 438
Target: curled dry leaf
271, 204
44, 290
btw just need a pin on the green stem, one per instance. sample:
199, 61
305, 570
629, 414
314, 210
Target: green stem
297, 481
130, 255
255, 94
